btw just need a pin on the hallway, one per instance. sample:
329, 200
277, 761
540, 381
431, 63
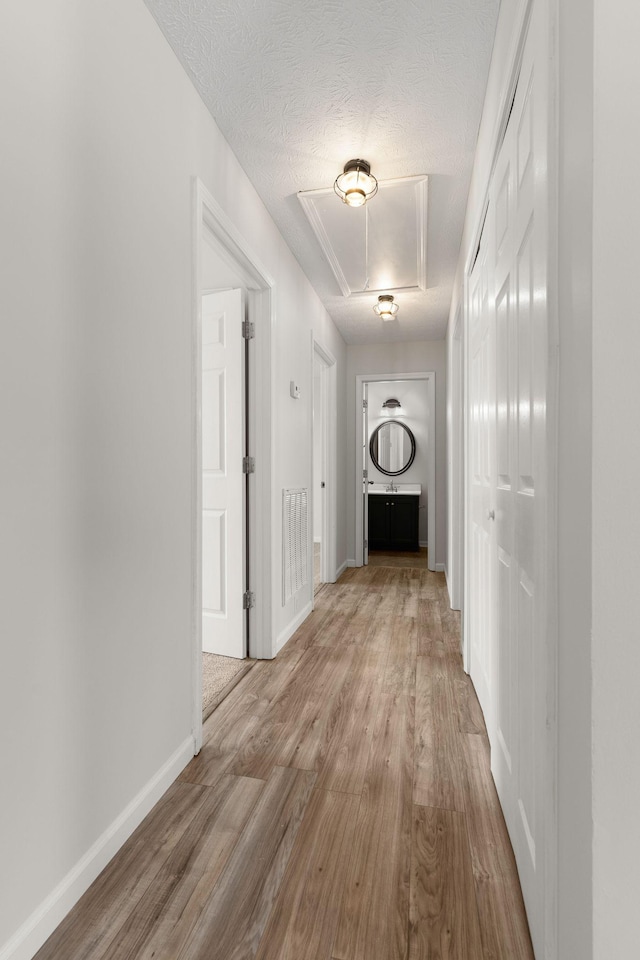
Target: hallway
341, 807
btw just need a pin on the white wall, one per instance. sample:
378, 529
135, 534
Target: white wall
616, 481
415, 411
424, 356
102, 134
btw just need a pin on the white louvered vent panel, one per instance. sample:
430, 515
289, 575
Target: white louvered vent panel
295, 574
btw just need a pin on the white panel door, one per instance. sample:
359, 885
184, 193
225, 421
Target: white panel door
481, 538
520, 254
508, 425
223, 538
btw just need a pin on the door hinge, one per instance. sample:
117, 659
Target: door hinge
366, 544
365, 474
248, 600
365, 404
248, 464
248, 330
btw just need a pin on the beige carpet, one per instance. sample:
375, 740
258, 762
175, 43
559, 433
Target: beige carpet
219, 676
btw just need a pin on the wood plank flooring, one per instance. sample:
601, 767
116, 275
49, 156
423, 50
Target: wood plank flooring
342, 806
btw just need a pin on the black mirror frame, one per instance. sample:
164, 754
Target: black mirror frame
374, 459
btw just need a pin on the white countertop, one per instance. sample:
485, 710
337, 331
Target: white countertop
402, 489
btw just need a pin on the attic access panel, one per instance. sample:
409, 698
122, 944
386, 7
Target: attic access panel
376, 248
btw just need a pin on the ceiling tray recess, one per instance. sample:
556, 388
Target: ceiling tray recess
378, 247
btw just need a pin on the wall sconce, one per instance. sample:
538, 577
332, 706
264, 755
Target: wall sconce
392, 407
385, 307
356, 184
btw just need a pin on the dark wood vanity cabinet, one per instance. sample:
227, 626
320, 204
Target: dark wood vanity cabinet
393, 522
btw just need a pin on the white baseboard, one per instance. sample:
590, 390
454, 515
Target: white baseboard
317, 540
351, 563
439, 567
28, 939
341, 569
290, 629
423, 543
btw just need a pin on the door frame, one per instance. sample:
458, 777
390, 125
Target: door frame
212, 225
430, 377
548, 58
329, 403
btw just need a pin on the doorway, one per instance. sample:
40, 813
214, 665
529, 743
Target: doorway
323, 466
418, 414
231, 451
224, 441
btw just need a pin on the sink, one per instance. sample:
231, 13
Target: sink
403, 489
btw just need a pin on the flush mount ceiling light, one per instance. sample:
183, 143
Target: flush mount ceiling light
356, 184
392, 407
385, 307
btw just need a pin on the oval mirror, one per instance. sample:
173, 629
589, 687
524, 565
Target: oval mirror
392, 447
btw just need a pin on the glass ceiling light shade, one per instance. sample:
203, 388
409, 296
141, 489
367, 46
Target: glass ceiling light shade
356, 184
385, 307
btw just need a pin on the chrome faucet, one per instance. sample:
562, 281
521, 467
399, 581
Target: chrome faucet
391, 488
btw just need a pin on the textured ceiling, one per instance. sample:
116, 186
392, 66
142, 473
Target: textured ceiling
298, 87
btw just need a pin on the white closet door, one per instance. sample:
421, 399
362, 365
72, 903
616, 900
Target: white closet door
481, 460
223, 617
508, 363
521, 279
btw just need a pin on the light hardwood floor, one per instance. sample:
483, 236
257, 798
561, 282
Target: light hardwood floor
342, 806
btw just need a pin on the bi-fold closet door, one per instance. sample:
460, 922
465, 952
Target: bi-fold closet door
508, 464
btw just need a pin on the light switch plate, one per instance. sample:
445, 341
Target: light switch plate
294, 390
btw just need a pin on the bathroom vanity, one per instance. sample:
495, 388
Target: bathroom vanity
393, 518
393, 507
